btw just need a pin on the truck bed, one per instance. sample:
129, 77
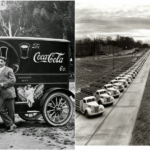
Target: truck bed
79, 97
97, 84
105, 80
90, 90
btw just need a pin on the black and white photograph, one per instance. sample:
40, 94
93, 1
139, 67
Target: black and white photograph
112, 73
37, 75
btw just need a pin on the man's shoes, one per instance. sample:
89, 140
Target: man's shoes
14, 126
11, 128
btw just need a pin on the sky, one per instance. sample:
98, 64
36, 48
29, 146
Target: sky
102, 18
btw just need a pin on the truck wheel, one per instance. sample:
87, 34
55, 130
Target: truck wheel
29, 116
86, 114
101, 113
57, 109
99, 102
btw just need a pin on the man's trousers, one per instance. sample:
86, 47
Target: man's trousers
7, 111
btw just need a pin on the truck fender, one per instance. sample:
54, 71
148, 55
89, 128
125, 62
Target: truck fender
102, 100
53, 90
88, 110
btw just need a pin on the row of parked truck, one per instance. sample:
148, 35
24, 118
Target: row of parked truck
91, 100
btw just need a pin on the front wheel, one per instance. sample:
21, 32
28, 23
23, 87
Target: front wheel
99, 102
86, 114
57, 109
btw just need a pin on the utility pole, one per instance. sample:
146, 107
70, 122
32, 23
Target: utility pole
94, 47
113, 58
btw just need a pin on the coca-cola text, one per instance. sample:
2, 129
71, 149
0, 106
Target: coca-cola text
51, 58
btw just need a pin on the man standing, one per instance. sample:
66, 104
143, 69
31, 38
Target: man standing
7, 95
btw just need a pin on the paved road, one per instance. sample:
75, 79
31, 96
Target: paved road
116, 125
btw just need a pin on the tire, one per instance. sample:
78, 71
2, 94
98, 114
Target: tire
101, 114
86, 114
59, 104
99, 102
26, 117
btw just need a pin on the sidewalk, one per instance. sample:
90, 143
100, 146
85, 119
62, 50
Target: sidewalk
118, 126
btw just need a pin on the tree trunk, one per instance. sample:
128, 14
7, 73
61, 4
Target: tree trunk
9, 27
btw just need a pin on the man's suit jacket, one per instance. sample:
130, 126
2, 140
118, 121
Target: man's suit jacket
8, 79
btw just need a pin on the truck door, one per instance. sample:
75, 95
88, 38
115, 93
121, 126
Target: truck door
84, 105
81, 105
97, 95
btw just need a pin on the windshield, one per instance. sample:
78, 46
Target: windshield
102, 92
114, 82
110, 86
90, 100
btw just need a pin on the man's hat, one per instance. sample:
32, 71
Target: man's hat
3, 58
3, 53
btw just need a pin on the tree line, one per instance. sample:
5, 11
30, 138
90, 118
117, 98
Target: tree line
99, 45
45, 19
50, 19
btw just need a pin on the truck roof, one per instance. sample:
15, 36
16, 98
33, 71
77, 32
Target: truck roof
33, 38
101, 90
107, 84
113, 80
89, 97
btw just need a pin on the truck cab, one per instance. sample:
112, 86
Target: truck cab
112, 91
102, 97
131, 74
128, 78
90, 107
123, 81
118, 85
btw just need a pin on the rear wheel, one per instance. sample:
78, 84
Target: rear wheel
30, 116
57, 109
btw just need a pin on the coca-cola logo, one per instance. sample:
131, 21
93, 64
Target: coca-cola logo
51, 58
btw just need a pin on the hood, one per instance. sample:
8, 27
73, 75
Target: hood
128, 75
92, 104
105, 95
122, 80
117, 84
111, 89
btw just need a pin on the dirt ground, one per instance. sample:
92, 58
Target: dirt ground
38, 135
90, 69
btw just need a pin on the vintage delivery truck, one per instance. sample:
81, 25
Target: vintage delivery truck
88, 105
44, 63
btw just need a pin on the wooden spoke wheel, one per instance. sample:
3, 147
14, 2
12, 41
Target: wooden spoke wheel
57, 109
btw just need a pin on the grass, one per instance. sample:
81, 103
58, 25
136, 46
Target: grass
91, 69
141, 132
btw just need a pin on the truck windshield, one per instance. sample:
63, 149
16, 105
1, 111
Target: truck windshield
115, 82
90, 100
110, 86
102, 92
